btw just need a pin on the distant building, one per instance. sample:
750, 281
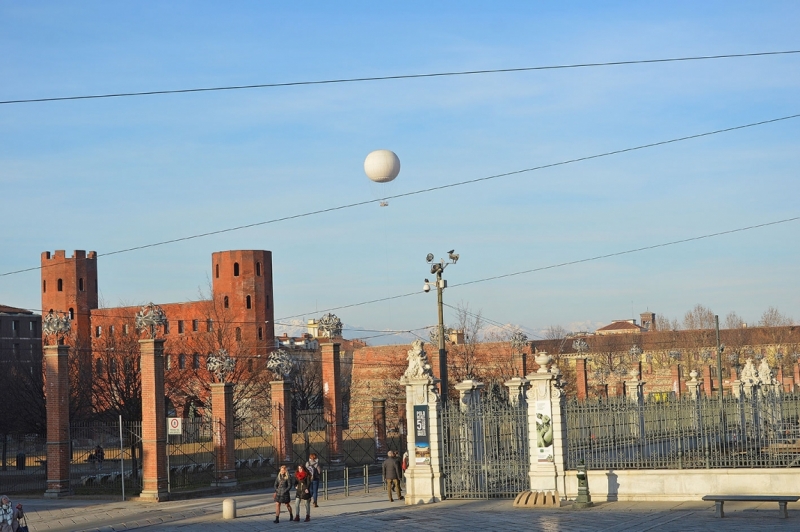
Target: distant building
238, 317
20, 338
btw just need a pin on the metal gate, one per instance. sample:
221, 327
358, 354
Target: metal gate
191, 460
121, 461
485, 450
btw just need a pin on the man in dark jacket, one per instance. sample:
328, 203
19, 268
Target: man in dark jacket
391, 472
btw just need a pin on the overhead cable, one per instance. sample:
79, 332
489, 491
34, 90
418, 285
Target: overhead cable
394, 77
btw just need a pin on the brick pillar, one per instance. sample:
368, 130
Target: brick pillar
708, 384
154, 421
224, 443
582, 379
282, 420
796, 376
379, 427
677, 385
332, 399
58, 455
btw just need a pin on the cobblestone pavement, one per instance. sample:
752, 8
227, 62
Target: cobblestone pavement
374, 512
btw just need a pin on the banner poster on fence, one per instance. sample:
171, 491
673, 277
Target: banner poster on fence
544, 432
422, 445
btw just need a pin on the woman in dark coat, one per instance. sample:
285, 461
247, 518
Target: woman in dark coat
302, 486
283, 487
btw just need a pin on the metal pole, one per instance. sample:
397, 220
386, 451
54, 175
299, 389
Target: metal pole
366, 478
346, 481
121, 458
442, 352
719, 357
325, 484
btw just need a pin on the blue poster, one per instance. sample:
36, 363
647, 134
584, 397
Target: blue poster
422, 448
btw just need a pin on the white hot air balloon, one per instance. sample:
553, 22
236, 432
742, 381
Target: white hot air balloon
382, 166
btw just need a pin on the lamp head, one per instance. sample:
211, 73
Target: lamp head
426, 287
429, 258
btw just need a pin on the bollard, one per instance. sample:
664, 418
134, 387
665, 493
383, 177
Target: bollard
366, 478
324, 484
229, 509
346, 481
584, 499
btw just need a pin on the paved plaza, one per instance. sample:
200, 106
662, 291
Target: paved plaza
374, 512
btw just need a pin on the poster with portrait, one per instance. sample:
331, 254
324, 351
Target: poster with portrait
544, 432
422, 445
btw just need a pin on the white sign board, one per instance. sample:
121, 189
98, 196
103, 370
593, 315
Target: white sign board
174, 426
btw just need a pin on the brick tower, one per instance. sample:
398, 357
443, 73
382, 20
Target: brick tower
69, 284
242, 287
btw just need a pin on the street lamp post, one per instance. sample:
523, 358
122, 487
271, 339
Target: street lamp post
437, 268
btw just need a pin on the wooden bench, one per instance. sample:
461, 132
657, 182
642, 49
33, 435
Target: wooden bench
780, 499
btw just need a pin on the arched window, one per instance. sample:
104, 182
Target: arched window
258, 269
71, 314
217, 271
111, 330
225, 302
248, 302
249, 364
260, 333
195, 361
99, 367
236, 269
182, 361
60, 285
168, 361
238, 334
112, 366
98, 331
80, 284
44, 286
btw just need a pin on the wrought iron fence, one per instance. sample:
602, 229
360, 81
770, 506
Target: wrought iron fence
756, 431
485, 450
23, 459
255, 449
95, 472
191, 459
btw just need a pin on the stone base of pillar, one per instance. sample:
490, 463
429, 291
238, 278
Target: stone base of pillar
154, 496
57, 489
224, 482
423, 485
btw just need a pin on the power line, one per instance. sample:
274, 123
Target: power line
568, 263
431, 189
395, 77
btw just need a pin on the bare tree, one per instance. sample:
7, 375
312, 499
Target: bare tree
733, 321
462, 360
699, 317
663, 323
772, 317
116, 383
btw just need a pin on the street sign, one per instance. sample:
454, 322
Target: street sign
174, 426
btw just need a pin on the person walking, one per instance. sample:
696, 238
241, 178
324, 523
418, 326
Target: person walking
99, 457
391, 473
316, 472
283, 488
302, 486
9, 515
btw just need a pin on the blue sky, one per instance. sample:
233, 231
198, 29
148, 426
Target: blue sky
110, 174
